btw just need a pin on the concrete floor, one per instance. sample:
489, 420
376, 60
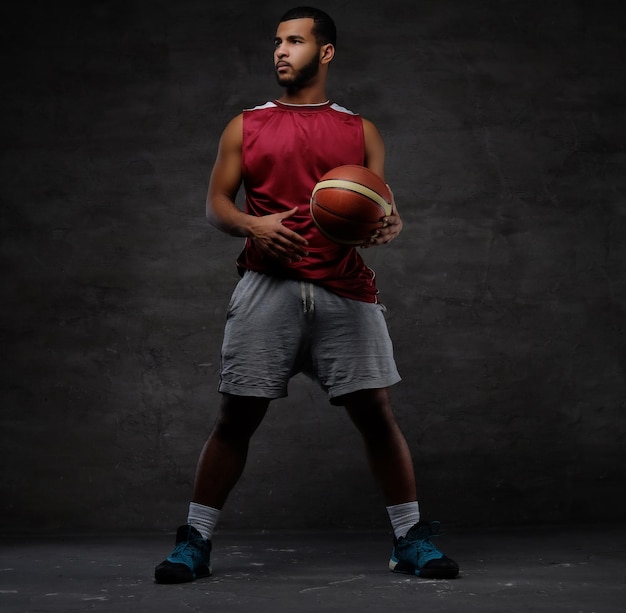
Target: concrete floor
573, 570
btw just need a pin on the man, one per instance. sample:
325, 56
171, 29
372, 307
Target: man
304, 303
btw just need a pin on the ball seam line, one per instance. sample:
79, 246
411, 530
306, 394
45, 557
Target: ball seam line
354, 187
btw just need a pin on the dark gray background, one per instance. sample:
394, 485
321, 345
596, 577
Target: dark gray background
504, 124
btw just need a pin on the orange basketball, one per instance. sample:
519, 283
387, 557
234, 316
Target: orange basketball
348, 203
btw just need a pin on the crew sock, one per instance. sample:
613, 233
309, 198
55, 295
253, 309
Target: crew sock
403, 517
203, 519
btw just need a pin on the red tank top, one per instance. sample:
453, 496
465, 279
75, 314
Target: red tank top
286, 149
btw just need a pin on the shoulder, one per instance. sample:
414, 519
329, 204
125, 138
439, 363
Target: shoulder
368, 126
370, 131
253, 117
232, 135
234, 124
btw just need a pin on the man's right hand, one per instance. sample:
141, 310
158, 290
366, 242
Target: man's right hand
276, 240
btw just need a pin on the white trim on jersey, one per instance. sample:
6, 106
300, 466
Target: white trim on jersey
267, 105
334, 106
341, 109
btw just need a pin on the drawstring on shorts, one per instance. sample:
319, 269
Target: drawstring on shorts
310, 307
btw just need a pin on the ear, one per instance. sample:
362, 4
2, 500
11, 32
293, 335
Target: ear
327, 53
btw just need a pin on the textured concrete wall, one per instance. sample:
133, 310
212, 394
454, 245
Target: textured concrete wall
504, 124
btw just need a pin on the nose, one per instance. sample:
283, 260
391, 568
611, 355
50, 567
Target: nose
280, 50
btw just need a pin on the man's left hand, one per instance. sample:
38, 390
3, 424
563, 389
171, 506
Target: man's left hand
390, 227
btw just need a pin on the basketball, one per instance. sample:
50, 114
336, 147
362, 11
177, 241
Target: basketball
348, 203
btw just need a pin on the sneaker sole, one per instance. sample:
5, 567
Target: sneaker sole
179, 573
425, 573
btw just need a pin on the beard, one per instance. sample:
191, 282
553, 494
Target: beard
301, 77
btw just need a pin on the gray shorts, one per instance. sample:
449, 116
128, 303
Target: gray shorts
276, 328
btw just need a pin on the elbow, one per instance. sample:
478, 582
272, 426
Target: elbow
209, 212
214, 218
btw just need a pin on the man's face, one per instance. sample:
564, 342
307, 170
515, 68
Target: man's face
296, 53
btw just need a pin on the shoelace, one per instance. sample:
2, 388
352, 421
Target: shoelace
186, 550
421, 537
426, 547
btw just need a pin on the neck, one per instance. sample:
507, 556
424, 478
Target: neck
309, 104
287, 99
313, 94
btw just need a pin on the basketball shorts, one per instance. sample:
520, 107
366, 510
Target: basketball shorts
276, 328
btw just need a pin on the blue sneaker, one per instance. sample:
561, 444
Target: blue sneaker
191, 558
416, 555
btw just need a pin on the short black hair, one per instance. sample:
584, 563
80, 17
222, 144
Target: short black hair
324, 28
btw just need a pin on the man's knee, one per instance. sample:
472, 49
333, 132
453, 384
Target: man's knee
370, 410
239, 417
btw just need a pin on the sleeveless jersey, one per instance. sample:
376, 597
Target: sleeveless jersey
286, 150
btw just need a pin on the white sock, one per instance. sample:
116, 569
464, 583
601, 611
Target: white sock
203, 519
403, 517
